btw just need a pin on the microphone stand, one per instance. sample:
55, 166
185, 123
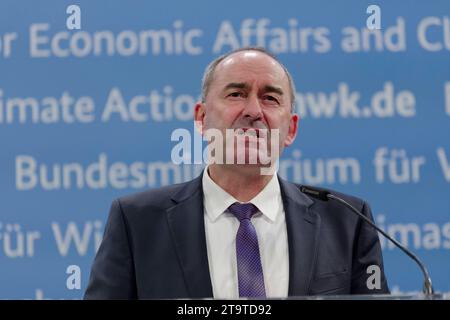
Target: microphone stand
326, 195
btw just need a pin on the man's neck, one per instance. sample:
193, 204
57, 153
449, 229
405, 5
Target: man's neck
243, 182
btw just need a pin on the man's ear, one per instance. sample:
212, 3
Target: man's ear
292, 132
199, 116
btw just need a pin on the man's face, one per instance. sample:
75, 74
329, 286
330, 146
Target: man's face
249, 90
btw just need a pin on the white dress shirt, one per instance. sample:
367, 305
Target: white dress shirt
221, 227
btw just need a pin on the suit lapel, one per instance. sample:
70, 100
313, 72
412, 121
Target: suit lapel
303, 231
186, 221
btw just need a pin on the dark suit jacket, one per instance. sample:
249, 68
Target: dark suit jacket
154, 246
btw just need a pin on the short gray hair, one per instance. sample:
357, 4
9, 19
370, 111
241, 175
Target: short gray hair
208, 75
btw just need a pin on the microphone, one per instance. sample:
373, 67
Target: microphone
326, 195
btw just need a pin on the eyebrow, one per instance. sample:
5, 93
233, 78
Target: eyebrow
236, 85
242, 85
270, 88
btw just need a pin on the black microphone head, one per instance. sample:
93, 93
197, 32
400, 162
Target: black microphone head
315, 192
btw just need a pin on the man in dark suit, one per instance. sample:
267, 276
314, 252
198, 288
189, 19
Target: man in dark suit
234, 232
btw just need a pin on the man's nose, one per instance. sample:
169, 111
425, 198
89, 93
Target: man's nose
253, 108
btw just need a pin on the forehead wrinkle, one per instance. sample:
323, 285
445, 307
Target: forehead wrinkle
244, 67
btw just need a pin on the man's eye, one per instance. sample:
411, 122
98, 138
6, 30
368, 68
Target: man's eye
271, 98
235, 94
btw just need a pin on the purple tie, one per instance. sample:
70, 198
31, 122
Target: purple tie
250, 273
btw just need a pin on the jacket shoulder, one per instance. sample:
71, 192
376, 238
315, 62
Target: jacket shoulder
156, 198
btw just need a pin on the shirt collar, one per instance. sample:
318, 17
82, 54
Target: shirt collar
217, 200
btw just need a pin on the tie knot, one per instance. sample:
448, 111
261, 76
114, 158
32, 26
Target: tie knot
243, 210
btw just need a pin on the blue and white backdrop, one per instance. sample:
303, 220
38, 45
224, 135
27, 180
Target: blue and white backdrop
86, 115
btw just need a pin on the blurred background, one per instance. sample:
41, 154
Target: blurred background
90, 96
